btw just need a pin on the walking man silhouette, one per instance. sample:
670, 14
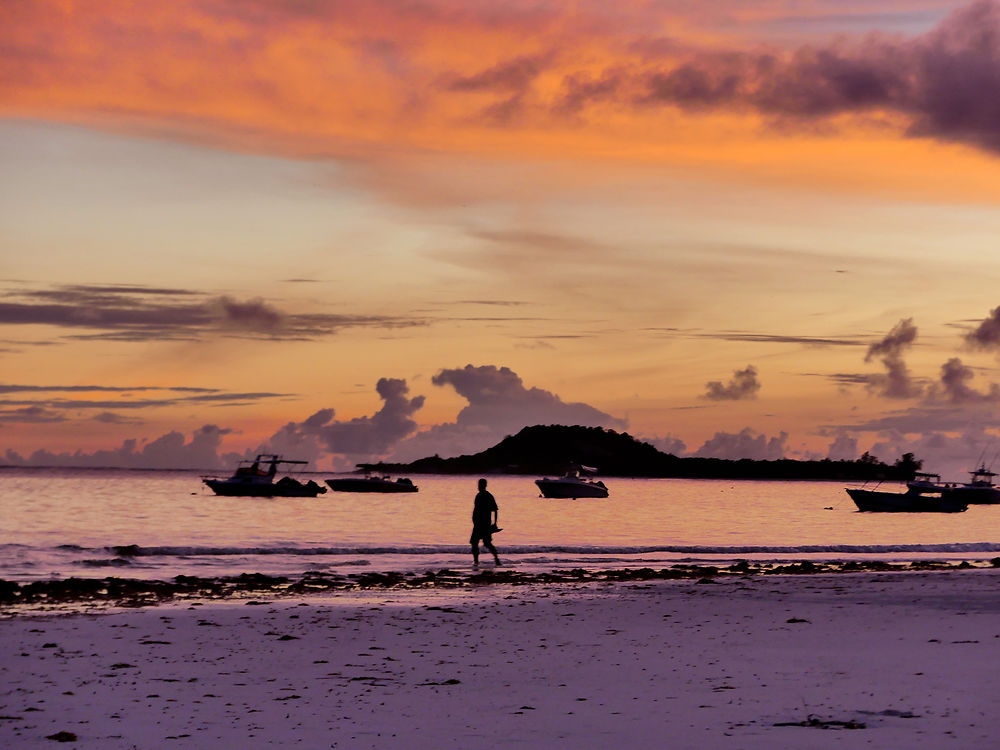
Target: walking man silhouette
484, 520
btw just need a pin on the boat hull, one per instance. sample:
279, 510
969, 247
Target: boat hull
226, 488
904, 502
358, 484
561, 488
974, 495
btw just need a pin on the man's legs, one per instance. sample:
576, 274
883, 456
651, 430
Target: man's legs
475, 552
488, 543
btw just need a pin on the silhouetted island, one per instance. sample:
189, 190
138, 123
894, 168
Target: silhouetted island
551, 449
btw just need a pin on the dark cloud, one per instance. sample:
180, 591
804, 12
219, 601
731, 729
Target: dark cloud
944, 81
902, 335
32, 413
774, 338
896, 382
499, 404
172, 396
109, 417
954, 385
514, 75
579, 89
744, 444
20, 388
986, 335
132, 314
743, 385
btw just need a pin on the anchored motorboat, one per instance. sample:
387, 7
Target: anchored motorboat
256, 478
573, 484
979, 490
372, 482
912, 501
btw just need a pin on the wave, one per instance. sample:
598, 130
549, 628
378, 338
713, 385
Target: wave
133, 550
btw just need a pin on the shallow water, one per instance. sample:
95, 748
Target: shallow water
59, 523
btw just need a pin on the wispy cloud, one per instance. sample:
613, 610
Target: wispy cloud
138, 314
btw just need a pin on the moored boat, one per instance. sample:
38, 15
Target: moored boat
925, 483
573, 485
979, 490
905, 502
257, 479
372, 483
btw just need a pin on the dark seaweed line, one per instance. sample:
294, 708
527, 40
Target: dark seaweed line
128, 592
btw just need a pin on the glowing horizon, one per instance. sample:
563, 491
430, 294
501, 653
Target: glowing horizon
685, 222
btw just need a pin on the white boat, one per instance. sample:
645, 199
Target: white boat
257, 479
573, 485
372, 483
979, 490
924, 483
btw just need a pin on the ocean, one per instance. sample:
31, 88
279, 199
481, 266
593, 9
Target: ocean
60, 523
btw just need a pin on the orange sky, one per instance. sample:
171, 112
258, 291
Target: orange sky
281, 204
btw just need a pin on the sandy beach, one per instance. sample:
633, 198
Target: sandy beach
887, 660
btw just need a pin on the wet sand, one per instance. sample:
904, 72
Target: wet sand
880, 659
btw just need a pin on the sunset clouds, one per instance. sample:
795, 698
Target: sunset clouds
358, 78
345, 231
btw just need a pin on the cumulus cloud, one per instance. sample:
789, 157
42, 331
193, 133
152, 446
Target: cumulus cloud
169, 451
896, 382
954, 385
359, 439
843, 448
950, 454
743, 385
744, 444
986, 335
499, 404
668, 444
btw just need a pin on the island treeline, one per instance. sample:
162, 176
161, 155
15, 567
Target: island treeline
551, 449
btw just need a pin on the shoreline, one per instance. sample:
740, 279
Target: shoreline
69, 593
824, 660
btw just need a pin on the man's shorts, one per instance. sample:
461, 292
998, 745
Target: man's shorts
485, 533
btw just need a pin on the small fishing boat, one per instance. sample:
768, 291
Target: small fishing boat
371, 482
925, 483
573, 485
979, 490
257, 479
911, 501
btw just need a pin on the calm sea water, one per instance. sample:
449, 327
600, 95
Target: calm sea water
60, 523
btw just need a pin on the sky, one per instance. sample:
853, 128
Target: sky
348, 231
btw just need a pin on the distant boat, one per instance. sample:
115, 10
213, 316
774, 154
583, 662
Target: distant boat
911, 501
372, 483
924, 483
979, 490
251, 480
573, 485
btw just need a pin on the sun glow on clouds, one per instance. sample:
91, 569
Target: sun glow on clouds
661, 193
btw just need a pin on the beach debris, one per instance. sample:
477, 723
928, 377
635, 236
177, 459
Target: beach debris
450, 681
892, 712
815, 722
795, 620
62, 737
